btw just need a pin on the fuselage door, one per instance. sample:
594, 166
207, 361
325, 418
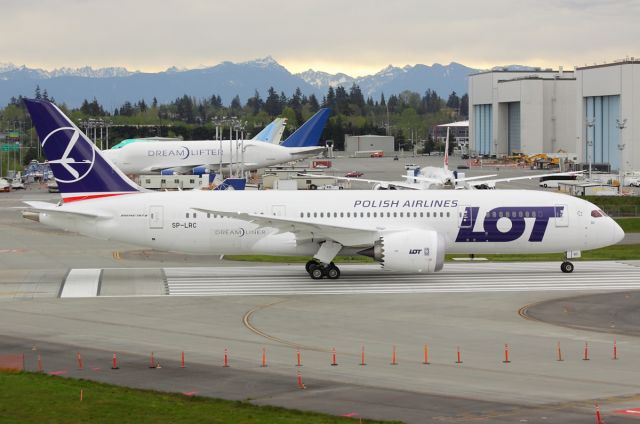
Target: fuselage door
156, 217
464, 216
278, 210
562, 215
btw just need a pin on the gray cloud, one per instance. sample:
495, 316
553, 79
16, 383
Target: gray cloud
348, 36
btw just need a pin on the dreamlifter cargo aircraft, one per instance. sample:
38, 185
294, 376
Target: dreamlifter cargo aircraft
405, 230
203, 156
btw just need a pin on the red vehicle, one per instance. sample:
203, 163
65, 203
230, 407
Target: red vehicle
354, 174
378, 154
321, 164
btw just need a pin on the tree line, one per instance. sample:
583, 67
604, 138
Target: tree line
408, 116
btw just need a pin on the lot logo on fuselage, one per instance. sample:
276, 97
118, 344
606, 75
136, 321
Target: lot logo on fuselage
517, 217
72, 151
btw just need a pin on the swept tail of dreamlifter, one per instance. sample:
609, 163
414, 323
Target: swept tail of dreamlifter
309, 133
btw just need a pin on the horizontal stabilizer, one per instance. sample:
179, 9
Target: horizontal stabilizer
55, 209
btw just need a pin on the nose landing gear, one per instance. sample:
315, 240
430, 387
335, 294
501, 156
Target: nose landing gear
566, 267
318, 270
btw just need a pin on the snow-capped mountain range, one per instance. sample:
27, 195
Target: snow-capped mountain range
114, 85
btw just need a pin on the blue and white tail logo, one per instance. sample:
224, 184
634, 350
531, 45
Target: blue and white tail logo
70, 170
77, 165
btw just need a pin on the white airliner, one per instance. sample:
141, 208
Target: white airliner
201, 156
406, 231
433, 177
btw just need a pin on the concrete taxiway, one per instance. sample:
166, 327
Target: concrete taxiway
153, 302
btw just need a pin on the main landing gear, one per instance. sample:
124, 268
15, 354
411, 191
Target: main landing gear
318, 270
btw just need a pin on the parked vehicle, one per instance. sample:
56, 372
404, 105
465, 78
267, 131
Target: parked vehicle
552, 180
4, 185
633, 182
17, 184
52, 186
354, 174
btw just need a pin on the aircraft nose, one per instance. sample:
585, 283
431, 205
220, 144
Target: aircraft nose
617, 233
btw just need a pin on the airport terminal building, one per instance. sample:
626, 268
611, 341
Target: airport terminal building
592, 113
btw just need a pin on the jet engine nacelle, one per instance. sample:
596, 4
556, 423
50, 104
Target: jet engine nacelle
200, 170
383, 186
167, 172
411, 251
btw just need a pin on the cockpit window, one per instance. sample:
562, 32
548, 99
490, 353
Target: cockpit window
597, 213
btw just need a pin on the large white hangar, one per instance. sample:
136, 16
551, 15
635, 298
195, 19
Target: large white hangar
522, 112
608, 106
592, 112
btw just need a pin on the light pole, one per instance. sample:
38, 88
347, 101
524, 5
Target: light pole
590, 123
621, 125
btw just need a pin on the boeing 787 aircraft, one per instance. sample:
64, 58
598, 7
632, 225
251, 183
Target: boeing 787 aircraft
405, 230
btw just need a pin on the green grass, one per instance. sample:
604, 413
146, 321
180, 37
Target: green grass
616, 252
609, 201
40, 398
629, 225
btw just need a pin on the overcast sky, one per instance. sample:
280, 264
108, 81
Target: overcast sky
356, 37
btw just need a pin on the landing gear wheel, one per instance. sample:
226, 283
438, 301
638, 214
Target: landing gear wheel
316, 272
310, 264
332, 272
566, 267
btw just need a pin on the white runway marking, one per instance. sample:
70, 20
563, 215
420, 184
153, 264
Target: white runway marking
359, 279
81, 283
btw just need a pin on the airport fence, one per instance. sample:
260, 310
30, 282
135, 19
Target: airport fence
623, 211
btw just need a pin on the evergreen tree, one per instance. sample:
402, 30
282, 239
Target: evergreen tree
272, 104
356, 97
342, 101
454, 101
37, 94
464, 105
330, 100
235, 104
255, 103
313, 103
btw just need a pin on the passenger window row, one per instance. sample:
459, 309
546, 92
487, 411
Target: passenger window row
374, 214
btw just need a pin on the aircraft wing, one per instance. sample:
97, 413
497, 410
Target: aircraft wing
386, 183
54, 209
306, 150
350, 235
477, 177
527, 177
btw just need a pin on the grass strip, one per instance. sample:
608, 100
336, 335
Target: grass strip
39, 398
610, 253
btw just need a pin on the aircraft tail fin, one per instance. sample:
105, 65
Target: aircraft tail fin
77, 164
232, 184
309, 133
272, 133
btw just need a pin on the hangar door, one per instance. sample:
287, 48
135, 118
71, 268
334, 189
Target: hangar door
514, 127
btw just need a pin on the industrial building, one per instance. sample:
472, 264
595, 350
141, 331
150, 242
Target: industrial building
592, 113
359, 145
